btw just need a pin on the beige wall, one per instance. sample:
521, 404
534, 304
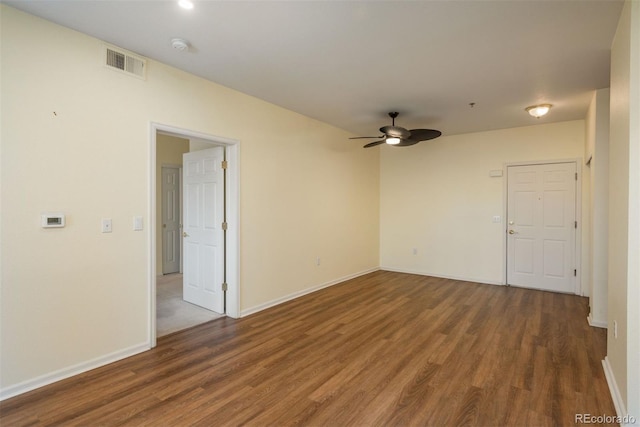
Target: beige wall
169, 151
623, 351
74, 298
438, 197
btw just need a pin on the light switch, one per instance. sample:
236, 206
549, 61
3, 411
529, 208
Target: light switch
497, 219
106, 225
137, 223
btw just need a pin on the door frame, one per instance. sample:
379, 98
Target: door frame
578, 288
232, 152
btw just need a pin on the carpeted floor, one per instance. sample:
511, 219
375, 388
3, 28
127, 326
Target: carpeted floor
172, 313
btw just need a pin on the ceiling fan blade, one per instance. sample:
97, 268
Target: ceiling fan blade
366, 137
424, 134
374, 143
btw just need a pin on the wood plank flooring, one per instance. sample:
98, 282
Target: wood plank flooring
385, 349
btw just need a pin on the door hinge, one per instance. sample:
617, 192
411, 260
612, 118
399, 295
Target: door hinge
224, 164
225, 226
225, 286
575, 272
576, 176
576, 224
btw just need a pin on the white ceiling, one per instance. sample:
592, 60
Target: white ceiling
348, 63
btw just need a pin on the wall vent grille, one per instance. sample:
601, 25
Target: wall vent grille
125, 62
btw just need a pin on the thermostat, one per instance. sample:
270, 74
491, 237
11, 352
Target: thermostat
52, 220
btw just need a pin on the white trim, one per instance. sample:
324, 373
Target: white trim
578, 288
171, 165
303, 292
545, 162
596, 323
151, 236
71, 371
233, 231
618, 403
232, 148
442, 276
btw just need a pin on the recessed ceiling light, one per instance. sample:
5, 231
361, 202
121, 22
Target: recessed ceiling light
185, 4
538, 111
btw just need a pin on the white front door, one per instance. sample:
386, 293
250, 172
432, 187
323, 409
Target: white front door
171, 239
203, 196
541, 226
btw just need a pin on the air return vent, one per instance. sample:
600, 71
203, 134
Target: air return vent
126, 62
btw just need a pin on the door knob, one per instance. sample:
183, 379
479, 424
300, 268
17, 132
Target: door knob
184, 234
512, 232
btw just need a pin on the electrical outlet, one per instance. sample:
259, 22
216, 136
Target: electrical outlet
615, 329
106, 225
318, 261
415, 251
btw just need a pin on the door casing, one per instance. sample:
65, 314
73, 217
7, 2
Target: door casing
232, 148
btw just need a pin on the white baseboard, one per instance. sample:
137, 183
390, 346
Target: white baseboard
303, 292
441, 276
621, 410
62, 374
596, 323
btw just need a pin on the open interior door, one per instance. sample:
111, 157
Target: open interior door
203, 238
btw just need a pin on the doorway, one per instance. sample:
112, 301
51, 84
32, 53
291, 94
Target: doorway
231, 190
542, 226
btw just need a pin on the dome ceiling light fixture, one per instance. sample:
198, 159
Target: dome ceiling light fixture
538, 111
185, 4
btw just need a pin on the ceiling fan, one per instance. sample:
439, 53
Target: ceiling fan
400, 137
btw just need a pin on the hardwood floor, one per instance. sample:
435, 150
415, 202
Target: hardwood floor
383, 349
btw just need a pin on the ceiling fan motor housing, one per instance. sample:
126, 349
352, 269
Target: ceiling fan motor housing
395, 132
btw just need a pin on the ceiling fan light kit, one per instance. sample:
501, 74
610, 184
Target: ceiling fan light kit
538, 111
399, 136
